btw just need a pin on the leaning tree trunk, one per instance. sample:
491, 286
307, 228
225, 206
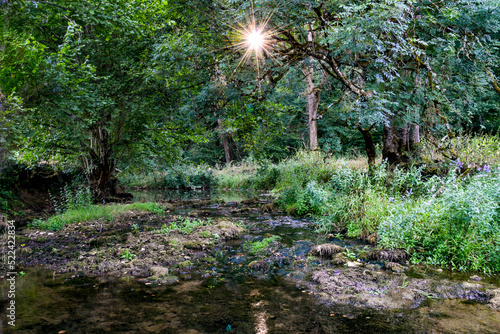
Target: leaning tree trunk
100, 164
371, 153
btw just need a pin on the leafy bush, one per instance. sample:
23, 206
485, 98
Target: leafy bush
473, 151
459, 228
5, 197
72, 198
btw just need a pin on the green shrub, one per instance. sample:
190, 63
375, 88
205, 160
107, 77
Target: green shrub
460, 228
72, 198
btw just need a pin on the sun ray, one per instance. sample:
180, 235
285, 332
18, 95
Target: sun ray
253, 39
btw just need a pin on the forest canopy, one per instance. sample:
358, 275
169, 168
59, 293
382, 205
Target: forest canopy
102, 85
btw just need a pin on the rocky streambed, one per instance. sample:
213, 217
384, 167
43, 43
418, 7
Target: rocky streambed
245, 267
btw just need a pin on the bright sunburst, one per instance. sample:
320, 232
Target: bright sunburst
254, 39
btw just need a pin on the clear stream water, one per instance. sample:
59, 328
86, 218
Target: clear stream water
230, 301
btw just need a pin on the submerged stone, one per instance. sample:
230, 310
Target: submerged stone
158, 271
395, 267
494, 302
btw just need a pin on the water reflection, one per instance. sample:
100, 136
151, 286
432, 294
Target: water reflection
48, 304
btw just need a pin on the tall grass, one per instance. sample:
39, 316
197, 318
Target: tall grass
184, 177
278, 176
236, 176
92, 213
472, 151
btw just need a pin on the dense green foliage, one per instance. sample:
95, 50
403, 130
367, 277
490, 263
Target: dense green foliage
183, 177
459, 228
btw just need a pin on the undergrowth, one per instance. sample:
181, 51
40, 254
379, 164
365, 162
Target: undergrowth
449, 219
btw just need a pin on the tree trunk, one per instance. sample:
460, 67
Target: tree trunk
225, 142
414, 136
100, 165
404, 139
227, 153
313, 94
371, 153
312, 108
390, 149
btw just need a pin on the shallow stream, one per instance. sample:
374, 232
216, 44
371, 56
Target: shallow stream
226, 296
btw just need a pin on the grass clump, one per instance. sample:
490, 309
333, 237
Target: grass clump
257, 247
93, 212
185, 225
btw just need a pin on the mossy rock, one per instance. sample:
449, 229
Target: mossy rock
26, 250
394, 267
339, 259
194, 245
259, 266
185, 264
391, 255
208, 259
229, 230
159, 271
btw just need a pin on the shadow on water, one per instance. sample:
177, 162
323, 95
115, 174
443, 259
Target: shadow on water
230, 301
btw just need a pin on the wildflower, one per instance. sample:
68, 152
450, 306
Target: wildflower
410, 192
457, 163
486, 168
391, 199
